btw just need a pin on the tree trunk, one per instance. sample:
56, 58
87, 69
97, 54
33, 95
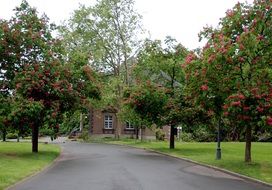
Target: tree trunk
35, 136
172, 137
90, 120
142, 134
248, 144
4, 135
81, 123
137, 133
117, 129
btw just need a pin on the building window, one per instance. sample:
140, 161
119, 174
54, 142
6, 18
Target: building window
108, 124
129, 125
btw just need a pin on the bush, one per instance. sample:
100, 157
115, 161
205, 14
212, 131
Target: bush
46, 132
186, 137
84, 135
12, 136
160, 135
203, 135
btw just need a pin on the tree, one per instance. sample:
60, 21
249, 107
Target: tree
105, 35
5, 110
160, 98
233, 72
44, 86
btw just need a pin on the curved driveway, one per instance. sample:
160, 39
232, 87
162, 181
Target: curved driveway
109, 167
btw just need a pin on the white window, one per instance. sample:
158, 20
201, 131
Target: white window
129, 125
108, 124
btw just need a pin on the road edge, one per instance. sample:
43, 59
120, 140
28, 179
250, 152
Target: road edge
250, 179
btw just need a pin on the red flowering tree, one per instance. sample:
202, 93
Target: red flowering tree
42, 85
160, 98
148, 101
233, 72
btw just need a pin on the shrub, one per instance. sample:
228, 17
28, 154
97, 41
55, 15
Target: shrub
12, 136
46, 132
203, 135
160, 135
186, 137
84, 135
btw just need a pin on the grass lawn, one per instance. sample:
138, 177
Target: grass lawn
17, 161
232, 155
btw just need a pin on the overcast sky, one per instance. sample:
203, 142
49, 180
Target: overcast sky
181, 19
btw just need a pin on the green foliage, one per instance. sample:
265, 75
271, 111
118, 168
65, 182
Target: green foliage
85, 135
186, 137
160, 135
232, 73
25, 113
148, 102
161, 67
45, 131
32, 66
12, 136
104, 34
70, 121
202, 134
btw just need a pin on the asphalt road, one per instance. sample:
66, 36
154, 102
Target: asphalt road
111, 167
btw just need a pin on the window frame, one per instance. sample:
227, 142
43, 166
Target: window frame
108, 121
129, 126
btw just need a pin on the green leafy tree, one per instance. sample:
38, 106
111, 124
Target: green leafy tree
5, 109
232, 75
160, 94
105, 36
43, 86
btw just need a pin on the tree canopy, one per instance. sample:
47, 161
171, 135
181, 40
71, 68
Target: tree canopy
233, 72
40, 82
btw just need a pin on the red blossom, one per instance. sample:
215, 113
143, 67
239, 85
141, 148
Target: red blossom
246, 108
241, 47
260, 37
225, 107
204, 71
226, 113
238, 38
269, 121
260, 109
189, 58
204, 87
245, 118
238, 103
254, 90
241, 59
230, 13
18, 85
258, 96
211, 58
245, 29
241, 96
232, 97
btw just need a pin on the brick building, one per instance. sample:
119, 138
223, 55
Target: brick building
104, 123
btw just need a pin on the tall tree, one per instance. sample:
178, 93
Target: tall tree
233, 72
105, 35
160, 98
42, 86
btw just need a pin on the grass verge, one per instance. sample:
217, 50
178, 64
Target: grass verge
232, 155
17, 161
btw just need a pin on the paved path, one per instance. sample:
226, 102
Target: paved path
111, 167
